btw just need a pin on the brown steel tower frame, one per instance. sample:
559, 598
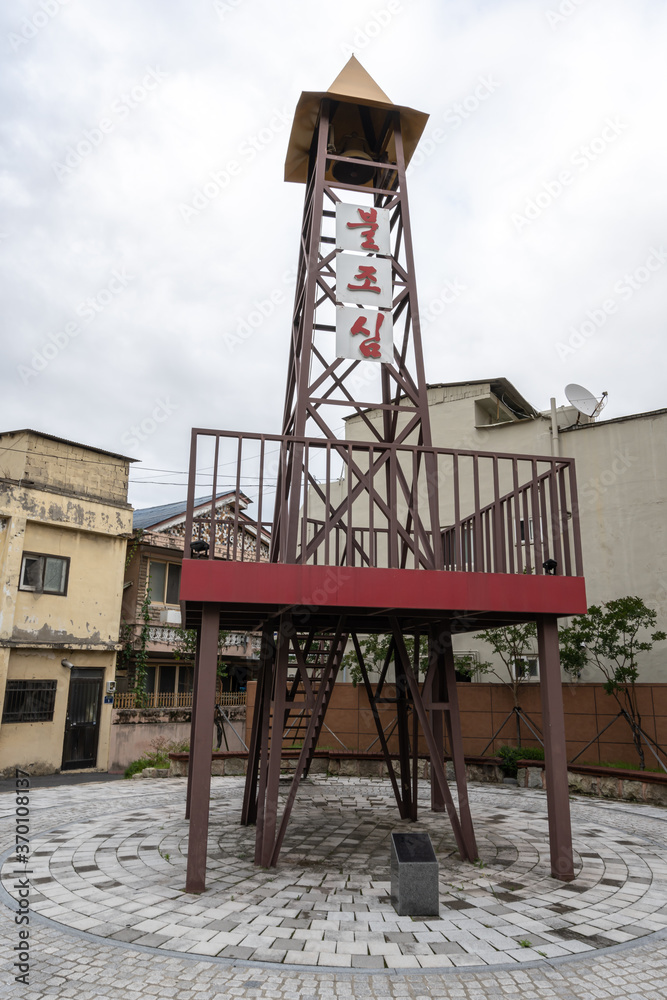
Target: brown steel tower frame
382, 535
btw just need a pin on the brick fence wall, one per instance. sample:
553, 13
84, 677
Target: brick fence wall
484, 707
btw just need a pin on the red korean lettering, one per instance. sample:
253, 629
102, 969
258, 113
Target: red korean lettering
366, 275
370, 348
369, 227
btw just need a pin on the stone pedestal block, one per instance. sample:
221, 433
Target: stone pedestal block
414, 875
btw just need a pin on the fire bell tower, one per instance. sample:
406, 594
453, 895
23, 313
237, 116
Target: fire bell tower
374, 530
355, 306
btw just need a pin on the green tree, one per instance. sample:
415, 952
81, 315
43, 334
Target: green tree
612, 636
141, 652
374, 649
513, 644
185, 648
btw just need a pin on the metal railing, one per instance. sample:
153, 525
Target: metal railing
171, 699
374, 504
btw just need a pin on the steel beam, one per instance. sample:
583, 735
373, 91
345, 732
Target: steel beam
553, 721
201, 749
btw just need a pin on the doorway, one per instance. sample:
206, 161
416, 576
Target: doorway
83, 716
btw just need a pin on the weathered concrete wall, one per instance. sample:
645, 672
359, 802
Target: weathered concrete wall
64, 466
129, 742
62, 499
88, 615
136, 731
37, 747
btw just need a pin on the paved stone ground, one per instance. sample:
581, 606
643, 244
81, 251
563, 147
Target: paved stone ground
110, 917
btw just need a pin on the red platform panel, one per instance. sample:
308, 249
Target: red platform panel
221, 581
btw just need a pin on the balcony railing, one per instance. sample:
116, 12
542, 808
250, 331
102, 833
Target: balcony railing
129, 699
170, 636
373, 504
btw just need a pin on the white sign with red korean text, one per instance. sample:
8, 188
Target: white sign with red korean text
365, 281
364, 334
361, 228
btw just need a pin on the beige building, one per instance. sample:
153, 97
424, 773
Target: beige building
64, 525
621, 468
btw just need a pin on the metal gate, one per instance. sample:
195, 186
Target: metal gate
82, 723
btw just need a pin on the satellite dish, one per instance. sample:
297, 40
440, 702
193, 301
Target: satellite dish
583, 400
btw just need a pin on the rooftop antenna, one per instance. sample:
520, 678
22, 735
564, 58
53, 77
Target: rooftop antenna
584, 401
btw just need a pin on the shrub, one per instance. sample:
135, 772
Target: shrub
510, 756
158, 755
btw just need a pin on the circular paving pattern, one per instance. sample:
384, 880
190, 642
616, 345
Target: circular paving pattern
121, 876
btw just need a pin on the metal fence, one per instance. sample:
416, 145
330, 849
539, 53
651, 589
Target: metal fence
129, 699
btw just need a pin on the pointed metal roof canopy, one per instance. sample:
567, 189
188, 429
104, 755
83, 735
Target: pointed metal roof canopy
353, 85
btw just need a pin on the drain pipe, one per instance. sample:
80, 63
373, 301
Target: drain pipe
555, 442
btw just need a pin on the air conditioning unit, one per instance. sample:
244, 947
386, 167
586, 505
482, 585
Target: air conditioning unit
111, 687
170, 616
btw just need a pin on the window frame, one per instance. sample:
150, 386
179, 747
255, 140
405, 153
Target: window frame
531, 659
39, 588
16, 685
163, 600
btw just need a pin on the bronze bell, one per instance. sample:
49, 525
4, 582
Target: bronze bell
356, 147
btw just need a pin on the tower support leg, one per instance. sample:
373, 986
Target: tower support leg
403, 738
453, 721
272, 739
436, 694
201, 749
437, 763
558, 802
193, 717
249, 811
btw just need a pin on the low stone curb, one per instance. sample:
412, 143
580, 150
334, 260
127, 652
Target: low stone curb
630, 786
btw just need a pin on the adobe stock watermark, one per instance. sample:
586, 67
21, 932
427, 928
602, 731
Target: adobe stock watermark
88, 310
591, 491
21, 879
160, 412
365, 33
249, 149
453, 117
249, 324
624, 289
225, 7
31, 26
93, 137
449, 293
565, 9
581, 158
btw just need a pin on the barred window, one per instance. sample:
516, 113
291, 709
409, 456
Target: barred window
29, 701
44, 574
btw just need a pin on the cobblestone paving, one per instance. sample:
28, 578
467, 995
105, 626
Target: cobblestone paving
109, 863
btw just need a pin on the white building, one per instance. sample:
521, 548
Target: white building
621, 467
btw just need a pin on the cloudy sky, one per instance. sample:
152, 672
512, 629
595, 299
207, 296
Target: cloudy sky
145, 218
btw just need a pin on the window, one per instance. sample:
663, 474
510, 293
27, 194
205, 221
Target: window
149, 686
167, 678
44, 574
164, 579
29, 701
526, 668
466, 665
530, 530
